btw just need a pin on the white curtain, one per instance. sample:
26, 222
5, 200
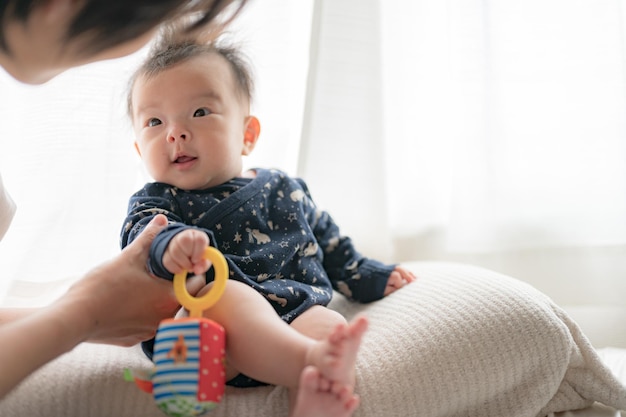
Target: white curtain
488, 132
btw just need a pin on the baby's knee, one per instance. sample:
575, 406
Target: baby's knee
333, 317
318, 322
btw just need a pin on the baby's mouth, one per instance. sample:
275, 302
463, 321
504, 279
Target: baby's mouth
183, 159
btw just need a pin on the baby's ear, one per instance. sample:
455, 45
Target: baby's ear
137, 148
251, 134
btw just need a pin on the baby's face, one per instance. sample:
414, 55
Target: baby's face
190, 124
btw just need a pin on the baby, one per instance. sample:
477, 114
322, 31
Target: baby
190, 108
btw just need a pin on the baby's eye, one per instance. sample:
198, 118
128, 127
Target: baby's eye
153, 122
203, 111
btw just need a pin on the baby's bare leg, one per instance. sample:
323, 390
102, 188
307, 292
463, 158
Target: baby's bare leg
262, 346
339, 342
258, 343
317, 398
335, 356
318, 322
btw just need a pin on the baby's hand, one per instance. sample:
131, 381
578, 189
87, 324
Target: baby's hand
398, 279
186, 252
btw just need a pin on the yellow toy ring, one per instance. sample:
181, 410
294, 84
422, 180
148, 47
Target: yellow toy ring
197, 305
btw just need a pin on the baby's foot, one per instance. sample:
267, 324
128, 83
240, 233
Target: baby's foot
317, 397
335, 357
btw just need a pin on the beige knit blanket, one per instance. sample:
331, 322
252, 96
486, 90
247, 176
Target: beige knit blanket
461, 341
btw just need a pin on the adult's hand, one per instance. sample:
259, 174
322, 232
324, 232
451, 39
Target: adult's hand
119, 302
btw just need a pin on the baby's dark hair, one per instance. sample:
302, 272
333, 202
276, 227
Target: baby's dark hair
171, 50
107, 23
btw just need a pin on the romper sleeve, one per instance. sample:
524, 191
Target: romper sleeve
355, 276
142, 208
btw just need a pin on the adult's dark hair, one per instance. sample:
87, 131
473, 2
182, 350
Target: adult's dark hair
107, 23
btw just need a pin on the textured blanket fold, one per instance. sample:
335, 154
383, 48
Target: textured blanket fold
461, 341
464, 341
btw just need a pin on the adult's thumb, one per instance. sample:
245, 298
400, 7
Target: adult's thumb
144, 240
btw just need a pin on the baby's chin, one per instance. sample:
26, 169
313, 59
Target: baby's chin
191, 182
183, 185
192, 185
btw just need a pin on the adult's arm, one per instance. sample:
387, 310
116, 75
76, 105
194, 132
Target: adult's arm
118, 303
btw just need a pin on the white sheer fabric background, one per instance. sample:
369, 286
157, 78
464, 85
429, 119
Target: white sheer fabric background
68, 160
476, 131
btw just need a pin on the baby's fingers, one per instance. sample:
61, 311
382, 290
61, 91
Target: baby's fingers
409, 276
201, 266
175, 261
405, 274
198, 241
